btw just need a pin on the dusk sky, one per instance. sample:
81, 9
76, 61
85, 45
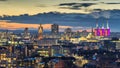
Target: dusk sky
33, 7
17, 7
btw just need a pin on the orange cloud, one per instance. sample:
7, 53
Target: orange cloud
15, 26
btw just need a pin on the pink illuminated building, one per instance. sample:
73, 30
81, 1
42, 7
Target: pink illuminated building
102, 31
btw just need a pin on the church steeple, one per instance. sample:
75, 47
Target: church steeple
40, 32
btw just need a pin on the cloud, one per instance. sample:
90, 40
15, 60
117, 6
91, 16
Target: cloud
5, 24
72, 20
75, 5
90, 5
113, 3
97, 10
67, 4
3, 0
14, 26
89, 0
74, 8
42, 5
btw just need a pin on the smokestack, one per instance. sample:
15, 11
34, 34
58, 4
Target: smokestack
97, 23
107, 24
103, 26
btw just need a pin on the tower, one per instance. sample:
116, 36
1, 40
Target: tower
40, 32
103, 30
55, 29
107, 29
103, 26
97, 23
107, 24
97, 31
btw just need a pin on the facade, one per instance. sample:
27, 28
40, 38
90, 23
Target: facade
118, 45
48, 42
102, 31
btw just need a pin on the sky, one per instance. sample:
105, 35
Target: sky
17, 7
32, 7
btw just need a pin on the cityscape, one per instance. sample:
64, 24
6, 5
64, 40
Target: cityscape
59, 34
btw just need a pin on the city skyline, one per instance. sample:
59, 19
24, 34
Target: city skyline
59, 34
13, 13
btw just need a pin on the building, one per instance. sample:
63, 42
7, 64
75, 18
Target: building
68, 32
48, 42
84, 33
102, 31
55, 29
26, 34
117, 45
40, 32
26, 31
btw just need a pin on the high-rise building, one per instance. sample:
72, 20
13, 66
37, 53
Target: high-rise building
68, 32
26, 33
26, 30
40, 32
55, 29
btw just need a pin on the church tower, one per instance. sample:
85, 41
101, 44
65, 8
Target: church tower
40, 32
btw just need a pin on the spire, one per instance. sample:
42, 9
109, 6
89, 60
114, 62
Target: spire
40, 27
40, 32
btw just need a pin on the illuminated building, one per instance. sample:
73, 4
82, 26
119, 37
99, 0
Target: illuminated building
48, 42
40, 32
102, 31
55, 29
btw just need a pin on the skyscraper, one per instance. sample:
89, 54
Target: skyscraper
55, 29
40, 32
